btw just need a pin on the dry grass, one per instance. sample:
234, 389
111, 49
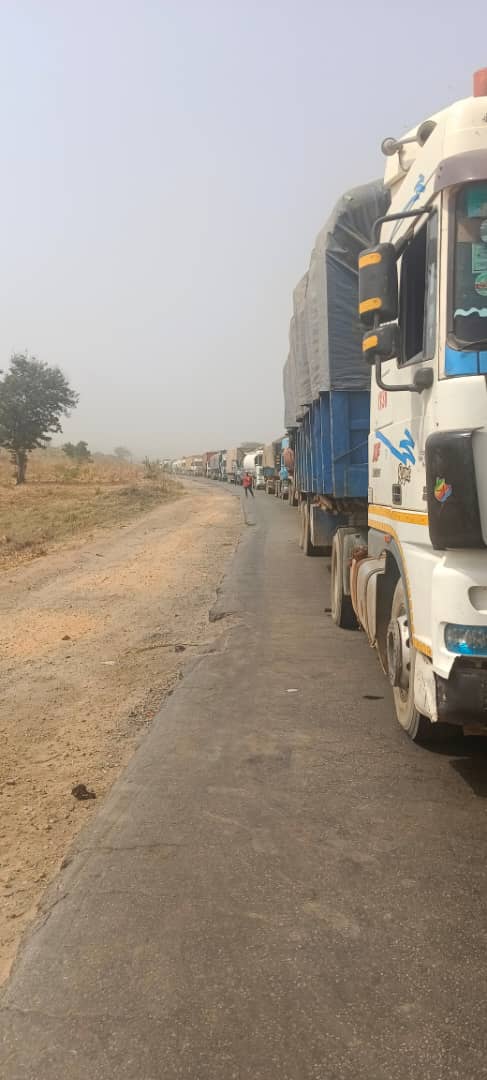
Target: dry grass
61, 501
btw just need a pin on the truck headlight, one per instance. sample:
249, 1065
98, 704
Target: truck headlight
466, 640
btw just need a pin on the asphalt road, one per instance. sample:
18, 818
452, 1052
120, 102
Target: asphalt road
281, 886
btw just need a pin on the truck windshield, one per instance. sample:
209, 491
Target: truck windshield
470, 266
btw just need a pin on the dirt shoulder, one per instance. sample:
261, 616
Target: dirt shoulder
92, 637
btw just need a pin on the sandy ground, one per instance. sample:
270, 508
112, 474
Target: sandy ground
90, 643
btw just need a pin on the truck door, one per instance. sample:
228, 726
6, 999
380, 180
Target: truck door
402, 420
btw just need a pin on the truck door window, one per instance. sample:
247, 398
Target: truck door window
470, 266
418, 294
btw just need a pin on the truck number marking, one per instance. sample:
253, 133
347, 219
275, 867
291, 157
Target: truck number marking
382, 399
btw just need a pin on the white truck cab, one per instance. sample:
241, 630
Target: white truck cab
253, 464
416, 575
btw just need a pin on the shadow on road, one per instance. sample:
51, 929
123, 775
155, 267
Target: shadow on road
468, 757
470, 763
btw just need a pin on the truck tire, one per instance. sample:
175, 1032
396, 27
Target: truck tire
417, 727
301, 510
342, 611
308, 546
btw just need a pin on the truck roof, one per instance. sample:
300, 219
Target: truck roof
441, 153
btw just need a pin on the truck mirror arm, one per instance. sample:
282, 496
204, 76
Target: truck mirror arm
423, 380
420, 210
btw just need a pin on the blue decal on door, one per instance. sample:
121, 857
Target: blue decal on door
403, 453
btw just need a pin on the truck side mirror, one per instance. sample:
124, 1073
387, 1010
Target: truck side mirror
381, 343
378, 287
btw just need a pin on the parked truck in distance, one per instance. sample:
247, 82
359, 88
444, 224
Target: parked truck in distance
253, 464
235, 458
276, 463
391, 439
235, 461
216, 465
271, 464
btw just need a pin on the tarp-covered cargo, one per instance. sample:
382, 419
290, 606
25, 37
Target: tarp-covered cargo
269, 456
294, 411
303, 381
328, 354
289, 395
233, 459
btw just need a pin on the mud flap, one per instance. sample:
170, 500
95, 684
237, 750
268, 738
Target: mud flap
324, 525
425, 687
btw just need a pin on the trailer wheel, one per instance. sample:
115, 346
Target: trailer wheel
401, 659
301, 512
307, 545
342, 611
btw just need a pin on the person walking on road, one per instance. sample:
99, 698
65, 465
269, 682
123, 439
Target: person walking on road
248, 484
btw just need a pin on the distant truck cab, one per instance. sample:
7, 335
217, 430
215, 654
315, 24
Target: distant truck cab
253, 464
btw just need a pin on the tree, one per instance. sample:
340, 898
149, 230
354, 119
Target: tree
152, 469
122, 453
33, 398
78, 452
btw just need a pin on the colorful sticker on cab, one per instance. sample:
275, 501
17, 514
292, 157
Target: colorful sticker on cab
442, 489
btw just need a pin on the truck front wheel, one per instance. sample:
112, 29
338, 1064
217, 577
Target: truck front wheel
401, 660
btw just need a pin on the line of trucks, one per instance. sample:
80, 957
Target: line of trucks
271, 466
385, 391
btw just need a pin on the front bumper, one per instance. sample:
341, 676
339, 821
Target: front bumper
462, 698
458, 596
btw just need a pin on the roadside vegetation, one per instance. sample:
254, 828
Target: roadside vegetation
70, 491
33, 400
65, 498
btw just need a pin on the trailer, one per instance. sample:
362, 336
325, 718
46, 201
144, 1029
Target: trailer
193, 466
276, 467
216, 466
288, 462
326, 383
271, 460
234, 461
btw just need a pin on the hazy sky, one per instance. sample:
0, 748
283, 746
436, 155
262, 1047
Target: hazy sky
165, 169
